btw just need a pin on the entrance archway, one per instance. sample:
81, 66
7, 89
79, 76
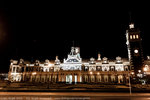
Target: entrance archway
69, 78
120, 79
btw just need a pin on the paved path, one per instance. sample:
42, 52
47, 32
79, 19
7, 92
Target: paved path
71, 94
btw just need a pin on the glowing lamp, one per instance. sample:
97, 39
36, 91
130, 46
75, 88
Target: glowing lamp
135, 51
34, 73
145, 69
91, 72
139, 71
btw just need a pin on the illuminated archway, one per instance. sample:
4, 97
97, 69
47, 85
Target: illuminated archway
69, 78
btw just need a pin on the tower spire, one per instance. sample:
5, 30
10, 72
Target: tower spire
130, 18
131, 23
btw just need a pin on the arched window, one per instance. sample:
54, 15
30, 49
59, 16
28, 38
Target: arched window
133, 36
137, 36
130, 36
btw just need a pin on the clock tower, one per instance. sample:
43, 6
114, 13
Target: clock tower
134, 46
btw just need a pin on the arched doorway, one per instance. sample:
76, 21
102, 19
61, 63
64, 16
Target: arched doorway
68, 78
105, 78
120, 78
112, 78
99, 78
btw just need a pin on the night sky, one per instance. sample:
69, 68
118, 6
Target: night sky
42, 30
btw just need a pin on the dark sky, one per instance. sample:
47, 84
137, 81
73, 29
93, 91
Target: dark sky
42, 30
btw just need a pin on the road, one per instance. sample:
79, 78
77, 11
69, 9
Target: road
72, 96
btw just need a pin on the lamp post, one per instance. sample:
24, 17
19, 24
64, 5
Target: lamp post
129, 84
130, 81
145, 69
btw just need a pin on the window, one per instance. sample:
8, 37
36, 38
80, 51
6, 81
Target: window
98, 68
137, 36
133, 36
112, 68
130, 36
13, 69
22, 69
17, 69
72, 60
126, 68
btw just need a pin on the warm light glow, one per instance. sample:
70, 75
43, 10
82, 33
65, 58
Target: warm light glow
131, 26
91, 72
145, 69
133, 36
137, 36
50, 64
132, 73
135, 51
34, 73
139, 71
130, 36
98, 73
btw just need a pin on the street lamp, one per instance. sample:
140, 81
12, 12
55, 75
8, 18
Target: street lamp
145, 69
130, 81
129, 84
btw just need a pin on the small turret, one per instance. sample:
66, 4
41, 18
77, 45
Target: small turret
57, 61
131, 26
99, 56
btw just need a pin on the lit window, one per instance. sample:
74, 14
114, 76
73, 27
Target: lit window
137, 36
133, 36
130, 36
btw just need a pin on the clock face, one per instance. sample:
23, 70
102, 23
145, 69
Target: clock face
136, 51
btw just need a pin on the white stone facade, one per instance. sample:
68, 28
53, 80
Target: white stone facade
72, 69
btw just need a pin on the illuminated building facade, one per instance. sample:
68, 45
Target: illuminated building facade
72, 70
75, 69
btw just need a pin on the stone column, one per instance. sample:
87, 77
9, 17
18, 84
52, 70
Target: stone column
59, 78
64, 77
15, 69
31, 79
45, 77
50, 78
39, 77
73, 78
36, 79
78, 78
81, 78
102, 78
23, 77
55, 78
